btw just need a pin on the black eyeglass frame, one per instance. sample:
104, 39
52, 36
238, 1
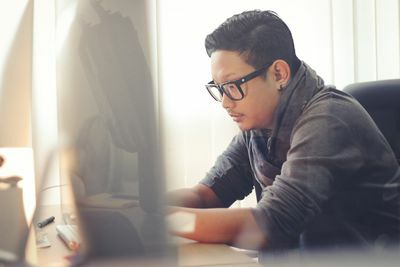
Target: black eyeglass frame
237, 82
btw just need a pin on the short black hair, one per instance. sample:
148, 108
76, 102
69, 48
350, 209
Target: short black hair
260, 36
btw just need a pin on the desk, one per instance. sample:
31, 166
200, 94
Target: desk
190, 254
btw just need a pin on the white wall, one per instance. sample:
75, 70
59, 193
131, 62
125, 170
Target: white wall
15, 72
344, 41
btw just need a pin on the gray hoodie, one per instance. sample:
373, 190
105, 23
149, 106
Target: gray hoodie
324, 176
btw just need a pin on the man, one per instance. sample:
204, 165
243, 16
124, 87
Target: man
324, 174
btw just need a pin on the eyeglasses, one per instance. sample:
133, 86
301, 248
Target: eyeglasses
232, 88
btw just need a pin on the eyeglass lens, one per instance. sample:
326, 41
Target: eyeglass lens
230, 89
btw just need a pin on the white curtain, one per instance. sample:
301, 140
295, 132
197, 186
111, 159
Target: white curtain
44, 95
344, 41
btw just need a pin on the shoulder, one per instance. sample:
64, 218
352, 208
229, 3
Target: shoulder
333, 117
334, 120
330, 98
332, 104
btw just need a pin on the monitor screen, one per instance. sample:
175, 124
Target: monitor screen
107, 112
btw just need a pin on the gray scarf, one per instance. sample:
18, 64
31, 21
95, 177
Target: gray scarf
295, 96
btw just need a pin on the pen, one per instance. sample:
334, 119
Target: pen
45, 222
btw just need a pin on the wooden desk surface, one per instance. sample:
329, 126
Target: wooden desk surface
189, 253
56, 253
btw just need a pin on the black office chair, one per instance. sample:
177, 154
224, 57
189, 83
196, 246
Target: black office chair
382, 101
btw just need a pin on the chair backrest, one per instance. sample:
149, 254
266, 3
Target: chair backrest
381, 99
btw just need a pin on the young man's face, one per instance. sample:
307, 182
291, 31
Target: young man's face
261, 96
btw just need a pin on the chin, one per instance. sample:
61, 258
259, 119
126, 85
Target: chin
244, 127
247, 127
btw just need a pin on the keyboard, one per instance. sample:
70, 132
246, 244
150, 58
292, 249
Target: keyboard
70, 235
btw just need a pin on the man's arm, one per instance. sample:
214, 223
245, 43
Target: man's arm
215, 224
231, 177
236, 226
198, 196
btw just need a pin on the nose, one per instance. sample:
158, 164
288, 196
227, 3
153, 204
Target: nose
227, 103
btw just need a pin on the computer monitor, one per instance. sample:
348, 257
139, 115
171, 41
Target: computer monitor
107, 112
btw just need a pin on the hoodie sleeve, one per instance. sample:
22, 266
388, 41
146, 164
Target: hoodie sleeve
231, 177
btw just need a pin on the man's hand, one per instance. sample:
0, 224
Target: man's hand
236, 226
205, 219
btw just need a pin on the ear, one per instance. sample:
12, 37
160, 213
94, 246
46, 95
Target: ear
281, 72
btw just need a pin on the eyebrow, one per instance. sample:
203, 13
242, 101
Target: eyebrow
226, 78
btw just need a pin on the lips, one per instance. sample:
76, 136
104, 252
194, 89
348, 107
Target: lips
236, 116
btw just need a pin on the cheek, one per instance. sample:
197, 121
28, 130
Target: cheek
264, 109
